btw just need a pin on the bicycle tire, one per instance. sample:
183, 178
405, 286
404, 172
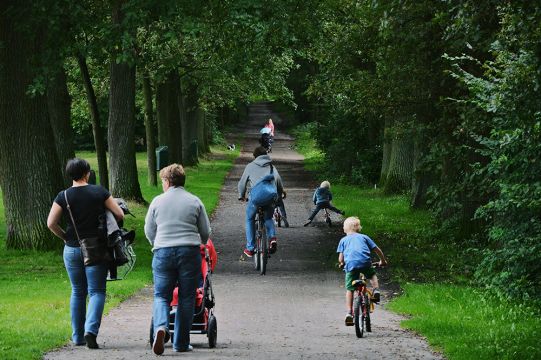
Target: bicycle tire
367, 322
357, 313
257, 263
264, 253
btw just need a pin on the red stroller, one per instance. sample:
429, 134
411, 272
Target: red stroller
204, 321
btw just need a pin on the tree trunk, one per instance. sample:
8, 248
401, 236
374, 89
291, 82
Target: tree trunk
99, 142
421, 180
59, 107
189, 126
387, 146
121, 130
400, 171
149, 129
30, 175
169, 116
202, 131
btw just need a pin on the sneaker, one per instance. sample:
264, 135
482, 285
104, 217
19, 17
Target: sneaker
273, 245
376, 296
158, 344
91, 341
308, 223
248, 253
286, 224
188, 349
349, 319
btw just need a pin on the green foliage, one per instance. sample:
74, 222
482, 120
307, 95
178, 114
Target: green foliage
34, 311
465, 323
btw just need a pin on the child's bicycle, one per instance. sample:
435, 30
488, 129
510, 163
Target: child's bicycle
261, 243
327, 216
362, 305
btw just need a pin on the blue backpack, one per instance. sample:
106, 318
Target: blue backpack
264, 192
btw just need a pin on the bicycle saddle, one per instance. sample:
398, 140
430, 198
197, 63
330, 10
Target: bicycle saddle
358, 282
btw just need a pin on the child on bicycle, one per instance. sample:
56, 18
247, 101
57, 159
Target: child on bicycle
354, 256
322, 200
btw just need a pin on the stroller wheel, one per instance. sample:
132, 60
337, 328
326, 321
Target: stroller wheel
212, 331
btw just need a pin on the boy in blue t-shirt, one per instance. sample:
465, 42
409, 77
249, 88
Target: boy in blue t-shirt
354, 255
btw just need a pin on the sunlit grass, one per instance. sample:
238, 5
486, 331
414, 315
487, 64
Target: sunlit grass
468, 324
462, 321
35, 289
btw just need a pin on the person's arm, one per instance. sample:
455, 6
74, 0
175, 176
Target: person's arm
341, 259
382, 259
203, 224
150, 225
330, 196
242, 183
111, 204
53, 219
314, 197
279, 185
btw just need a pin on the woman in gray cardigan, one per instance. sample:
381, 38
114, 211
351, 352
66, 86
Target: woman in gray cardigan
176, 224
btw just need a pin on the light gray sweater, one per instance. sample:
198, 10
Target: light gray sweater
254, 171
176, 218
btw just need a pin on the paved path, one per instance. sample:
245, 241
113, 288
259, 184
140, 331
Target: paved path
294, 312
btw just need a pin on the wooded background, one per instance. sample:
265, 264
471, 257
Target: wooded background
437, 99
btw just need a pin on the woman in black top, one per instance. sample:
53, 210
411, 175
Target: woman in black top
87, 203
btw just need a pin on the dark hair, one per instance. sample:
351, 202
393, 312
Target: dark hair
77, 168
260, 150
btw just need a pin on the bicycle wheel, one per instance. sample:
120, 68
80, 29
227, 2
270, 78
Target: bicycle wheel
257, 262
264, 252
368, 325
357, 313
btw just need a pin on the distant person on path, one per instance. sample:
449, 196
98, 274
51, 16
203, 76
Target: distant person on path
176, 225
254, 172
322, 200
354, 256
266, 139
87, 203
270, 125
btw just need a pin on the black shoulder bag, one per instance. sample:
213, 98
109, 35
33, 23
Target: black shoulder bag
94, 249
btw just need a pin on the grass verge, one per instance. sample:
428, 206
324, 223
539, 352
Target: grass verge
456, 318
35, 289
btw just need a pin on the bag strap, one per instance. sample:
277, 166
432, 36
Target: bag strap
272, 168
71, 215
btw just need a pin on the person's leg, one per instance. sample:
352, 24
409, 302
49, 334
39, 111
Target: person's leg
97, 279
269, 223
349, 301
281, 206
336, 210
76, 273
376, 295
165, 279
189, 272
316, 210
251, 210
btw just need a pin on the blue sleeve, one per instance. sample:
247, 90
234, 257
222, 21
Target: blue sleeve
371, 244
340, 248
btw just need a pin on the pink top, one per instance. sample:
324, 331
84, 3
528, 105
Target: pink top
271, 127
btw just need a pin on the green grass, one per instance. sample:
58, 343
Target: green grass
467, 324
462, 321
35, 289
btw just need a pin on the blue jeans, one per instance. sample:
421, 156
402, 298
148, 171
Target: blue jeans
172, 266
251, 211
85, 280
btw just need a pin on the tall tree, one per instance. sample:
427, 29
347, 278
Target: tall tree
169, 116
99, 139
30, 173
150, 130
59, 108
121, 127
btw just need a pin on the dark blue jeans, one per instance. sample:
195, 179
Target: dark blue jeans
176, 266
323, 205
85, 281
251, 211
